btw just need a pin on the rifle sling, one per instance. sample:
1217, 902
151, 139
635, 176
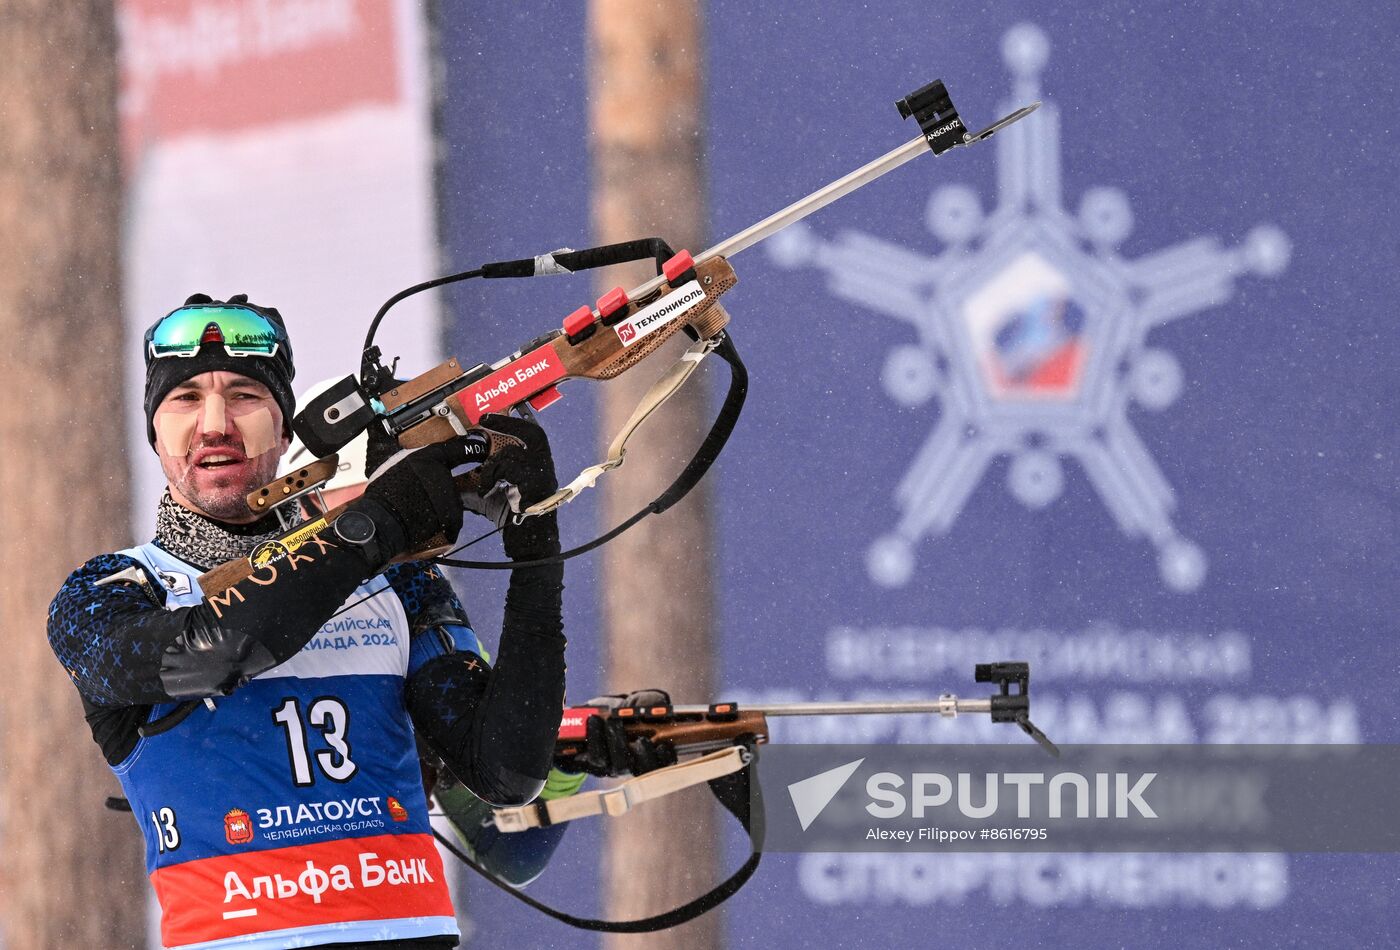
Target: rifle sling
737, 789
623, 797
694, 470
663, 389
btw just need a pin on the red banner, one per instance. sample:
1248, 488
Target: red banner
377, 878
198, 66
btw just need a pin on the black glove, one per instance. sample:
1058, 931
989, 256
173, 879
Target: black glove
609, 751
379, 447
530, 470
524, 476
414, 500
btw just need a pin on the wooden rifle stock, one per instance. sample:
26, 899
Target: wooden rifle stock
266, 555
602, 350
687, 733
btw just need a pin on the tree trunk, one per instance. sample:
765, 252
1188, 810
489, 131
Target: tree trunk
646, 114
72, 871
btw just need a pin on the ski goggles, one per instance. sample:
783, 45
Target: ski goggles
241, 331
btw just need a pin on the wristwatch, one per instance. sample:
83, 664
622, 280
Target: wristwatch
357, 528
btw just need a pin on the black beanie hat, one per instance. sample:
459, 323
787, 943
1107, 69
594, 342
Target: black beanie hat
275, 372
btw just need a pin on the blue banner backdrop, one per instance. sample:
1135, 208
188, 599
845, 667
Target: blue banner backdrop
514, 183
1106, 393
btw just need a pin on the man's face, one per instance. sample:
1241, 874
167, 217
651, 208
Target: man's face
219, 436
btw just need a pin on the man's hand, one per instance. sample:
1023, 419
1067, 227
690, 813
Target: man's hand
412, 500
609, 751
514, 478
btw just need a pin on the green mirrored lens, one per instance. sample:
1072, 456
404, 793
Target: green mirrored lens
243, 332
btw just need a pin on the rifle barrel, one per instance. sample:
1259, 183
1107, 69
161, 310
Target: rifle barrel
947, 706
822, 197
817, 200
799, 209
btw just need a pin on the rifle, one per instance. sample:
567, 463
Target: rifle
715, 744
594, 342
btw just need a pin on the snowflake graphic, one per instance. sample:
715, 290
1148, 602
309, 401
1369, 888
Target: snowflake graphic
1032, 336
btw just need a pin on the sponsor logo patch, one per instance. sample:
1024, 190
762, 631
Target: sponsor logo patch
657, 314
238, 827
269, 552
513, 383
574, 724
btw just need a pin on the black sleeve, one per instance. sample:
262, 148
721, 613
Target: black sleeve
122, 647
496, 728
